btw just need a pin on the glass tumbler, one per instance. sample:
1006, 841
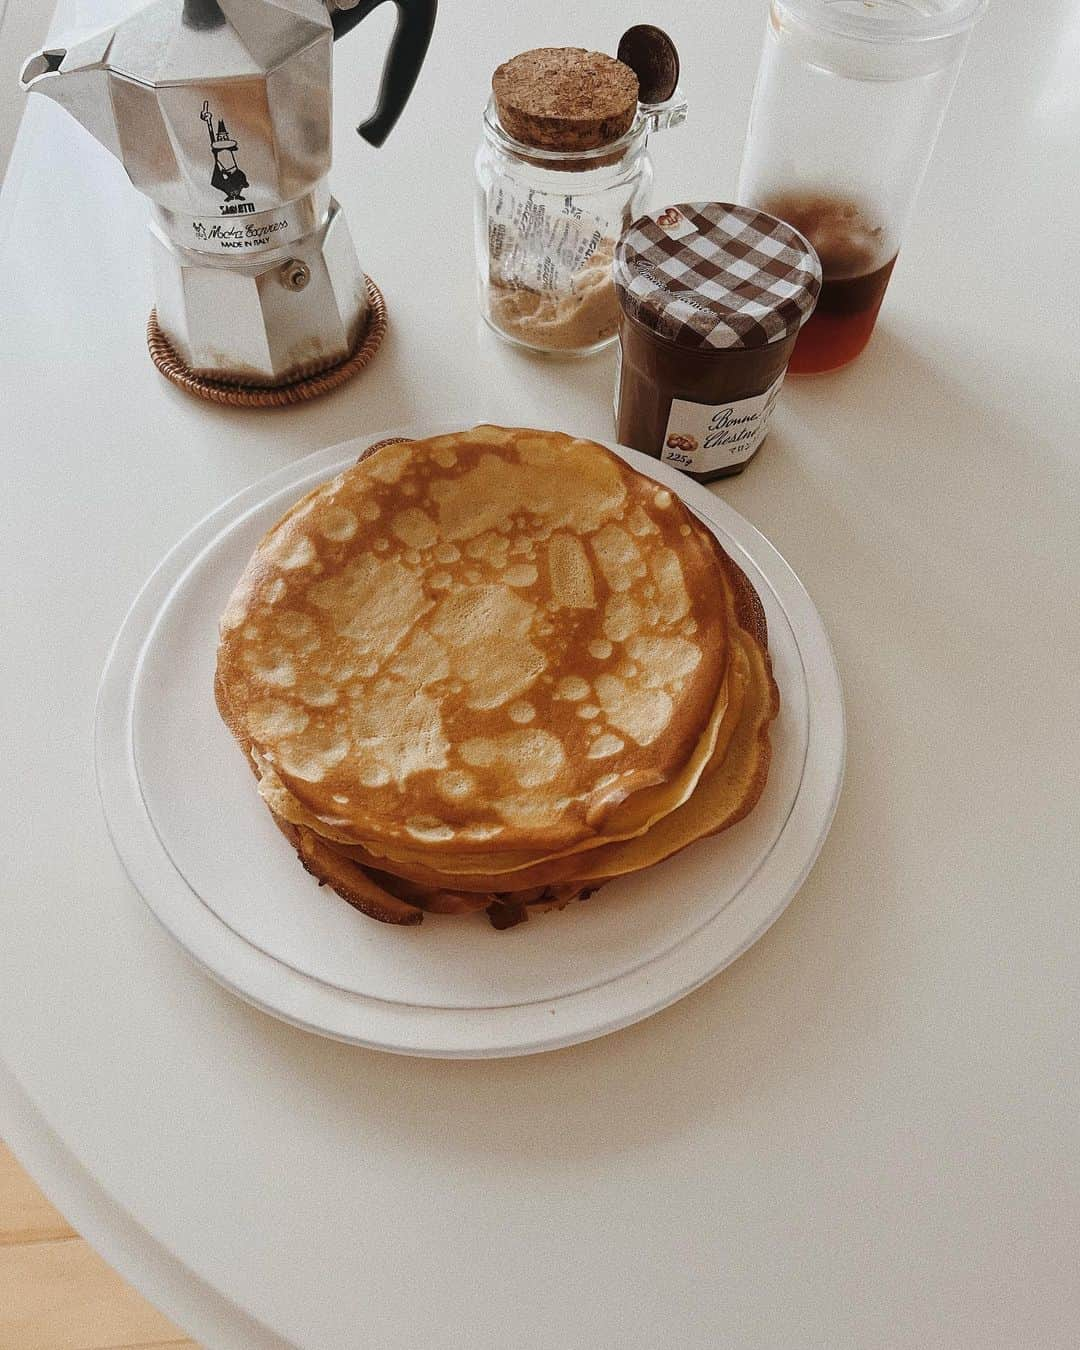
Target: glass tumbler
849, 100
546, 226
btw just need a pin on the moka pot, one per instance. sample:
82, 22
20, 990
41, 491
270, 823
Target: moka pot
220, 112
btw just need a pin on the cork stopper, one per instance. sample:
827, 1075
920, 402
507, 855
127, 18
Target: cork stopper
565, 98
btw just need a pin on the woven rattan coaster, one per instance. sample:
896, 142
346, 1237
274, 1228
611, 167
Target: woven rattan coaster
236, 395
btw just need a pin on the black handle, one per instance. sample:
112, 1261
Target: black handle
408, 47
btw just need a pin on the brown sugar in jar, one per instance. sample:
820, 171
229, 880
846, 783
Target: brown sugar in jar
712, 297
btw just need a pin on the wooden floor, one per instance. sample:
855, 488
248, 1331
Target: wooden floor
56, 1293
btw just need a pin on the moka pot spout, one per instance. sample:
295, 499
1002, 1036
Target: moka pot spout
77, 77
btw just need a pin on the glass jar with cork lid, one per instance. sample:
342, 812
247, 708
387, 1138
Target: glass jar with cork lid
562, 169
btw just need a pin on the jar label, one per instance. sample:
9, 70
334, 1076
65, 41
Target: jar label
538, 242
701, 437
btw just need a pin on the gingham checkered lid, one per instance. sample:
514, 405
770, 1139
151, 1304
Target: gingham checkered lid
709, 274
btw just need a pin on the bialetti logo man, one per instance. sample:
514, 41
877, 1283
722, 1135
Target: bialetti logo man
228, 177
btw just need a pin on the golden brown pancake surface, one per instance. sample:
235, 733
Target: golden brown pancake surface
480, 642
728, 790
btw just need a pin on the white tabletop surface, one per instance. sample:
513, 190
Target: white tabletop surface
864, 1133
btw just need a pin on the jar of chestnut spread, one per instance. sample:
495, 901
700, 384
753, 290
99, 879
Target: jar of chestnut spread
712, 297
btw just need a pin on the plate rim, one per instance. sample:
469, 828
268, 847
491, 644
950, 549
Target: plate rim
304, 1001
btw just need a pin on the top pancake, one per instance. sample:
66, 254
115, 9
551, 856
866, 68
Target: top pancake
486, 641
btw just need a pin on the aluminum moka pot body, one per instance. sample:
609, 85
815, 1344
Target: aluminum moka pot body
220, 112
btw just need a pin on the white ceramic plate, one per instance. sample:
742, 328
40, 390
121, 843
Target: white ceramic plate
201, 848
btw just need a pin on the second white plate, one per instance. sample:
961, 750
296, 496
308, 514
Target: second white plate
202, 850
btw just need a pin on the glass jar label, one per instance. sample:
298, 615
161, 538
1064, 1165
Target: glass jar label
701, 437
536, 241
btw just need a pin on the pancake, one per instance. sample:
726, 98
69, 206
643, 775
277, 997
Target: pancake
631, 817
740, 603
728, 790
500, 642
344, 680
724, 796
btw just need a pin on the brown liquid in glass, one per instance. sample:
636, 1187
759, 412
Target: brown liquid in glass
841, 323
852, 289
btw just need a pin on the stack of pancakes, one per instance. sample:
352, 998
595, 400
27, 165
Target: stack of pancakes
493, 670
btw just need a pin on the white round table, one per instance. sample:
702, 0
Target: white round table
864, 1133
